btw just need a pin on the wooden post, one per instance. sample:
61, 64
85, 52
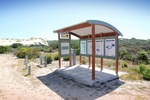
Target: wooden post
101, 58
101, 64
80, 60
117, 54
70, 58
89, 62
89, 57
26, 61
45, 60
70, 61
29, 70
59, 58
93, 52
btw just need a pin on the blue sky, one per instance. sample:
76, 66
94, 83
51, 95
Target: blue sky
38, 18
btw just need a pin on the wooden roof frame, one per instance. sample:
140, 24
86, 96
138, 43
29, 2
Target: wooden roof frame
89, 23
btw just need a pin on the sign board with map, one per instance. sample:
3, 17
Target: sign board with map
110, 47
83, 47
104, 47
99, 47
89, 47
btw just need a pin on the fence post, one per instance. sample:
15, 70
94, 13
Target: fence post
45, 61
26, 61
29, 70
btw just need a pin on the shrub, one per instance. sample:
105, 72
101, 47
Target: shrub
65, 58
56, 57
4, 49
145, 71
83, 61
109, 65
21, 54
16, 45
49, 58
78, 51
125, 64
143, 57
31, 52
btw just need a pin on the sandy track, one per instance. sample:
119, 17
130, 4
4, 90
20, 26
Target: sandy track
43, 84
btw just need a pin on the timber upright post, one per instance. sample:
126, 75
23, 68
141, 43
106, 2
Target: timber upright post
117, 54
59, 58
29, 70
89, 62
80, 59
101, 58
70, 58
26, 61
101, 64
89, 57
93, 52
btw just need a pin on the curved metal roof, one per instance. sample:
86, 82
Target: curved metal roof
84, 29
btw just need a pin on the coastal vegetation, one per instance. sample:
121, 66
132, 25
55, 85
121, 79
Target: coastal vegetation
134, 55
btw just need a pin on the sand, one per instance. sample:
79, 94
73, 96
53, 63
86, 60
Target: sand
44, 84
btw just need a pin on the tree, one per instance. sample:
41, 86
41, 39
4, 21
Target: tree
122, 53
143, 57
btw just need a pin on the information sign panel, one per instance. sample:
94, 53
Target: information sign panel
99, 47
83, 47
65, 48
64, 35
110, 47
89, 47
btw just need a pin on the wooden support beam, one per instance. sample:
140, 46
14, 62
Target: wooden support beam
99, 35
70, 58
59, 58
80, 60
75, 34
89, 62
117, 44
70, 61
101, 64
74, 27
93, 52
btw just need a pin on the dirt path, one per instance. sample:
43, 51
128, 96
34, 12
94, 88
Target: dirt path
43, 84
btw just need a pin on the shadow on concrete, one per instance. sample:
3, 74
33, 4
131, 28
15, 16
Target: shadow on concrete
70, 90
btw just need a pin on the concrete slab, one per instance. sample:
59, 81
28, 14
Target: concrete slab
82, 75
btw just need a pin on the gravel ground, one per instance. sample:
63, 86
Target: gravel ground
45, 84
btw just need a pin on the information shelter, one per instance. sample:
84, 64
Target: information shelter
97, 39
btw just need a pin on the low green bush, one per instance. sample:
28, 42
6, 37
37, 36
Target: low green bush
65, 58
21, 54
56, 56
49, 58
4, 49
145, 71
84, 61
30, 52
78, 51
125, 64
